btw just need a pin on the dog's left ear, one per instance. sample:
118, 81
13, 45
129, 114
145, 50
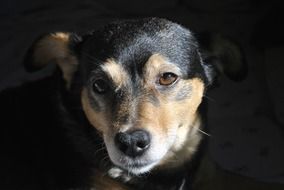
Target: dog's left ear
221, 55
55, 48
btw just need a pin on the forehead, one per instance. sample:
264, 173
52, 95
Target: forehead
132, 43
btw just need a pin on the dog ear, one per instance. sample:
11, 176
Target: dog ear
221, 56
54, 48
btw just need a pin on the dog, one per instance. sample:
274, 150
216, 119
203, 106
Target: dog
124, 108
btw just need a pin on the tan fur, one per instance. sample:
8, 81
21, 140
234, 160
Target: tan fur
101, 120
170, 109
116, 72
55, 48
184, 147
120, 78
172, 113
97, 119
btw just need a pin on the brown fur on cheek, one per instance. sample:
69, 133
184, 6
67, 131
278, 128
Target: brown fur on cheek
97, 119
172, 111
187, 108
188, 137
177, 117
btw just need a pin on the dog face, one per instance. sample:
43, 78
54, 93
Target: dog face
142, 83
142, 91
142, 117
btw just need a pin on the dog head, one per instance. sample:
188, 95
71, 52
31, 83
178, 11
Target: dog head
142, 83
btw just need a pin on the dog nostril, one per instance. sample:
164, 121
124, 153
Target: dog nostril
142, 144
141, 141
123, 141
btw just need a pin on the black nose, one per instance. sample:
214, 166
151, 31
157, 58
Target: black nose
134, 143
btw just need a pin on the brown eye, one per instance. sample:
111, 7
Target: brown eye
167, 79
100, 86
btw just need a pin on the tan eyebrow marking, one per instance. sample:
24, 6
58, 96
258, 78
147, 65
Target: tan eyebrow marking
157, 64
153, 65
116, 72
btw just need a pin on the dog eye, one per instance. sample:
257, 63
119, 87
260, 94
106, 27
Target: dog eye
167, 79
100, 86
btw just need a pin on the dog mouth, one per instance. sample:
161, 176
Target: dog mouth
136, 167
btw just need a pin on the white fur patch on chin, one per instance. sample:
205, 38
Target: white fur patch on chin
141, 170
116, 172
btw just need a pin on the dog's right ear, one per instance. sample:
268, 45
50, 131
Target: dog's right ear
55, 48
222, 55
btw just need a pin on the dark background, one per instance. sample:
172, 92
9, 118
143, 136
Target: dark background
246, 119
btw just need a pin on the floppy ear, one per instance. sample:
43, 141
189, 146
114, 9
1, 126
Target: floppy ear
54, 48
221, 55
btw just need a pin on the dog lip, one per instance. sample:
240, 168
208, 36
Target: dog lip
137, 169
139, 165
135, 166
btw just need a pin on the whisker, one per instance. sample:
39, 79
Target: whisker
100, 149
92, 58
104, 161
203, 132
209, 98
129, 167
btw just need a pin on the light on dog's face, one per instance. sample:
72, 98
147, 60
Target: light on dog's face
143, 120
